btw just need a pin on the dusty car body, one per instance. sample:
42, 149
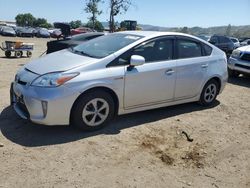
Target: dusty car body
117, 74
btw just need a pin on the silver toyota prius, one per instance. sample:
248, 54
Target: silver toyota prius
120, 73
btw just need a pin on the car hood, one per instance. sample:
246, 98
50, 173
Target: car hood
244, 48
63, 60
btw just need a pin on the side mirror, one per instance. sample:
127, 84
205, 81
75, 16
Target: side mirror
137, 60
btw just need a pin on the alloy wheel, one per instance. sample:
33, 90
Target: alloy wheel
210, 93
95, 112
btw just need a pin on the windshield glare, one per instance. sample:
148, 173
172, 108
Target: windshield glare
105, 45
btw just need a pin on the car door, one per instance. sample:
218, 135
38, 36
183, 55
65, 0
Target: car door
154, 81
191, 68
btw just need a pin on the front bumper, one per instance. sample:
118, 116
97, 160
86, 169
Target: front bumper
239, 65
48, 106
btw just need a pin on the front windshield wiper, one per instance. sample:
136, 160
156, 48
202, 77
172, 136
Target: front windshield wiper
82, 53
85, 54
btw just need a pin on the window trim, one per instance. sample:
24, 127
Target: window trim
192, 40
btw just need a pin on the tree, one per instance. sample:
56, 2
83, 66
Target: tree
92, 8
41, 22
228, 30
75, 24
98, 26
117, 7
25, 19
184, 30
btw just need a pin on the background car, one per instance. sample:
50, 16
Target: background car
239, 62
7, 31
64, 28
204, 37
55, 33
222, 42
119, 73
245, 42
236, 42
43, 33
24, 32
80, 30
243, 39
56, 45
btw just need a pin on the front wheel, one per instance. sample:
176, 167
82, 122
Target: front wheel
93, 110
209, 93
8, 54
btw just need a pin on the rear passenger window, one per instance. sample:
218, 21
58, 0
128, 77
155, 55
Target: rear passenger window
158, 50
188, 49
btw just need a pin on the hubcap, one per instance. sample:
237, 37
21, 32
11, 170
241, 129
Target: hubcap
210, 93
95, 112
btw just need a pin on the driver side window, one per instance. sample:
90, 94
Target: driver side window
152, 51
157, 50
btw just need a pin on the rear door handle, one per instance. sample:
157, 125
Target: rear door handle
204, 66
169, 72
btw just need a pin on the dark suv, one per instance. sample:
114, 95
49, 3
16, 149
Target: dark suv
222, 42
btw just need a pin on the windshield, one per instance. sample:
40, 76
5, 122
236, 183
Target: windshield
234, 40
44, 31
8, 29
105, 45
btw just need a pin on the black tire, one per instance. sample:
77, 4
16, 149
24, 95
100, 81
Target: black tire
8, 54
29, 53
84, 103
18, 54
232, 73
209, 93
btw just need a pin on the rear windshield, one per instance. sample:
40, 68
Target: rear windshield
105, 45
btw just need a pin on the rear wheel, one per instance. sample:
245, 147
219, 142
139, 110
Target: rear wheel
209, 93
93, 110
29, 53
8, 54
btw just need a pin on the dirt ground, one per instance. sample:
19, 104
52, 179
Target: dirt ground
145, 149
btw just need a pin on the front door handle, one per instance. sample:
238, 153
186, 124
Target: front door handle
169, 72
204, 66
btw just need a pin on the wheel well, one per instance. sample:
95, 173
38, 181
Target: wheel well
218, 81
108, 90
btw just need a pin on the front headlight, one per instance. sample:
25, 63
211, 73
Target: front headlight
236, 54
53, 79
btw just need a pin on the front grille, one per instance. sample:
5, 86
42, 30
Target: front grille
242, 66
21, 105
246, 57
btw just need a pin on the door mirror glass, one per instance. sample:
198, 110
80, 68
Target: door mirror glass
137, 60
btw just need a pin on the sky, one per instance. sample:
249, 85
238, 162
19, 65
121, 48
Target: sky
166, 13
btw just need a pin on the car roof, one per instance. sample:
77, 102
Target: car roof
157, 34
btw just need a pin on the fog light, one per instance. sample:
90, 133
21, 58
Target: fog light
44, 106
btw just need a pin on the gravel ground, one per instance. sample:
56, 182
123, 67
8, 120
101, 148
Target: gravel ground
145, 149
